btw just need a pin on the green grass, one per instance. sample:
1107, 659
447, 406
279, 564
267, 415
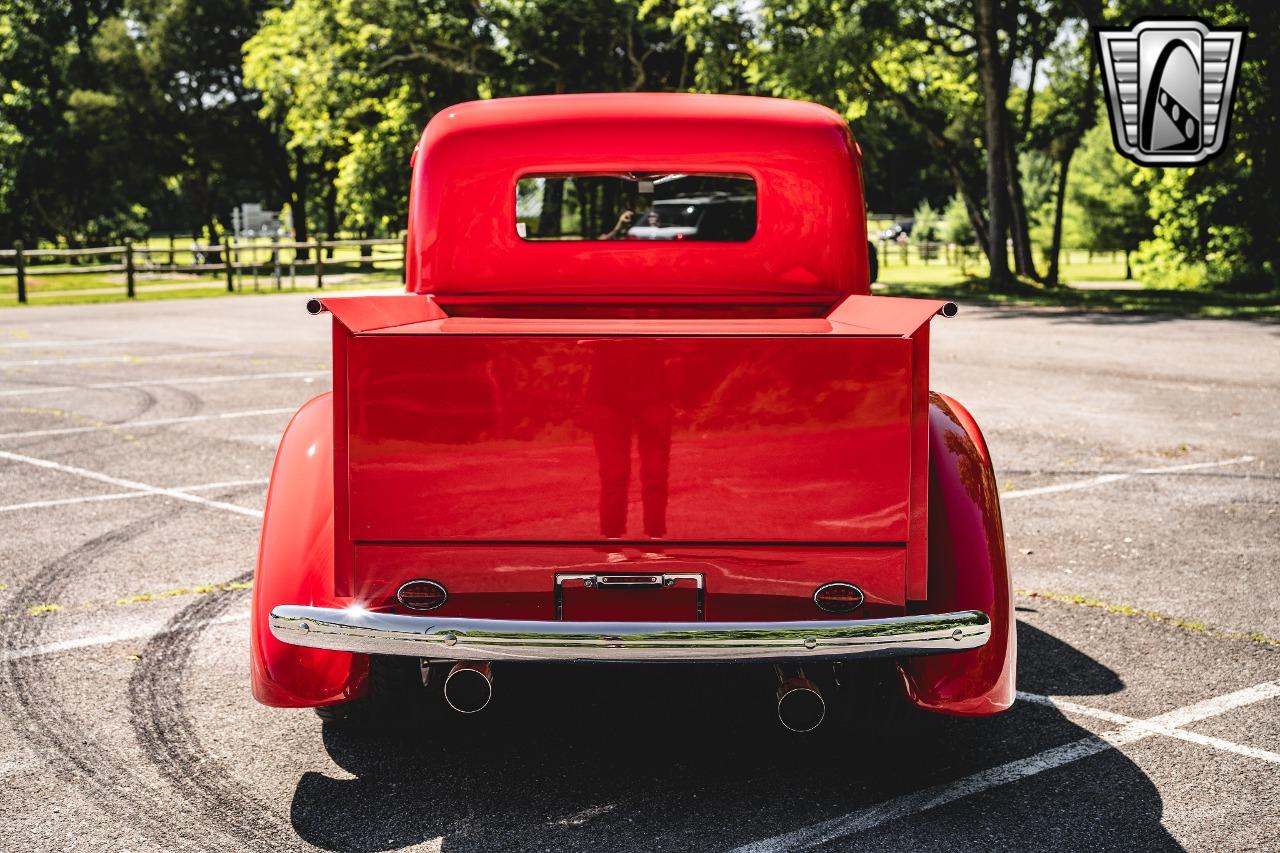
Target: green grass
1187, 303
71, 297
1076, 266
932, 279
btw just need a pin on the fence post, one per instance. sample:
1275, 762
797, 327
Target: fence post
404, 258
19, 263
275, 260
128, 267
319, 263
171, 251
227, 265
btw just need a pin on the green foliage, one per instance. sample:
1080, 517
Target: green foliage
1219, 223
120, 115
1109, 192
1039, 184
928, 225
956, 225
117, 116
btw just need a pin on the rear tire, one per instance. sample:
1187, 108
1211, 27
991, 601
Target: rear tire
394, 688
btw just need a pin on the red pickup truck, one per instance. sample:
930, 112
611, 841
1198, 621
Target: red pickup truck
636, 404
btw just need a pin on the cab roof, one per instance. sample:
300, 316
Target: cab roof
811, 230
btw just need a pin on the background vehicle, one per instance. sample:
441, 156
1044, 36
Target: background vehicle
718, 216
899, 231
464, 498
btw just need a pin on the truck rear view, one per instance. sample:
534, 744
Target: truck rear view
636, 404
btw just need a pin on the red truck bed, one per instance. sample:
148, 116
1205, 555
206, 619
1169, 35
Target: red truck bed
491, 431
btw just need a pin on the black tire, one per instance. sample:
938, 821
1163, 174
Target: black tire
343, 714
395, 689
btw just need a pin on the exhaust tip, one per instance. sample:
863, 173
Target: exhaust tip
950, 309
468, 687
801, 709
314, 306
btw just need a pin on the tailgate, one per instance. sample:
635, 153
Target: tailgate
561, 437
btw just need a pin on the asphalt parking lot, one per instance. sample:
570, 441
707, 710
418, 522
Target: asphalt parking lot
1139, 459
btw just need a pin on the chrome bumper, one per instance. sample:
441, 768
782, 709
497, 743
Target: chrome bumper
356, 630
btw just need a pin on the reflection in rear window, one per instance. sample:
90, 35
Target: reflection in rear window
654, 206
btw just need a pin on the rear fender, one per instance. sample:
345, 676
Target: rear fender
295, 566
967, 571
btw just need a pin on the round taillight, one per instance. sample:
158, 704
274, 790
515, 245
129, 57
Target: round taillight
422, 595
838, 597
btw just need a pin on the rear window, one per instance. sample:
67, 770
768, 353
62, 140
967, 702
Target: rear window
639, 206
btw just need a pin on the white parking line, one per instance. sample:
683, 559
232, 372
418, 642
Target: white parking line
939, 795
1170, 731
116, 496
109, 639
171, 380
252, 413
115, 359
131, 485
1114, 478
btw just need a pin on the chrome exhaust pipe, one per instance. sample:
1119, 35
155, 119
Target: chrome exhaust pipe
469, 686
801, 707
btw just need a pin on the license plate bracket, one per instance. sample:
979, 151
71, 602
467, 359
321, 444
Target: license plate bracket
629, 597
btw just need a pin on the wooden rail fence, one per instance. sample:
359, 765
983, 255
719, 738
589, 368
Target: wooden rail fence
265, 259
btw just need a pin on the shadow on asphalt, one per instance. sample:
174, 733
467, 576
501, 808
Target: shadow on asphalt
692, 758
1103, 316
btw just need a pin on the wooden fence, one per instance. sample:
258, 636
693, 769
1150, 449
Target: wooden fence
908, 252
273, 261
234, 260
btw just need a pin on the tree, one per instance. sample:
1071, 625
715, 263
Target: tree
1108, 189
927, 230
1221, 220
956, 227
948, 67
214, 149
126, 115
54, 118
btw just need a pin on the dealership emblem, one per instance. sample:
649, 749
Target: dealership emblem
1168, 88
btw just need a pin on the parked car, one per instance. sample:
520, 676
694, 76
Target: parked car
613, 450
899, 232
716, 216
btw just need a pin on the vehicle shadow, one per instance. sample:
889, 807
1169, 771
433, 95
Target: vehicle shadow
1110, 316
684, 758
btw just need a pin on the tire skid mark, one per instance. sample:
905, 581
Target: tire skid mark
30, 700
146, 401
167, 734
192, 403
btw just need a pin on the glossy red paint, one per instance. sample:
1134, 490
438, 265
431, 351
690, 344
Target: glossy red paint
740, 417
295, 564
528, 437
967, 570
742, 582
811, 232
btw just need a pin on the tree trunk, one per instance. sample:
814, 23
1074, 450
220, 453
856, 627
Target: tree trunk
549, 218
1084, 121
991, 71
1019, 227
1055, 243
366, 251
331, 212
973, 207
966, 180
1128, 270
298, 203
